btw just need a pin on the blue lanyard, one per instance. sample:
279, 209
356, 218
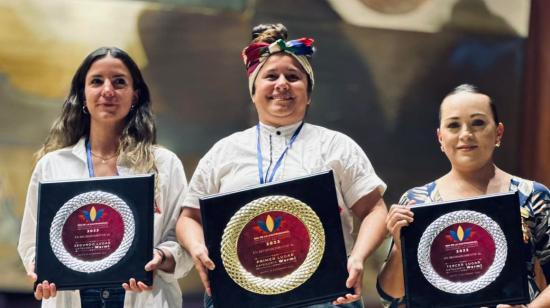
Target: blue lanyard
269, 178
89, 159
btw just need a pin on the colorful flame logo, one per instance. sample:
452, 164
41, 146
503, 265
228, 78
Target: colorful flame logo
460, 234
93, 215
270, 224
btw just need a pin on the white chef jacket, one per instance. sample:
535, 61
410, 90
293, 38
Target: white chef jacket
232, 164
71, 163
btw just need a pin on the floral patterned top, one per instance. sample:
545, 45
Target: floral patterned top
535, 216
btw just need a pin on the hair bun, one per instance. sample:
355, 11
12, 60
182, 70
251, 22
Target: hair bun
269, 33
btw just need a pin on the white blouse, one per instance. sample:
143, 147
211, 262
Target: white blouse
232, 164
71, 163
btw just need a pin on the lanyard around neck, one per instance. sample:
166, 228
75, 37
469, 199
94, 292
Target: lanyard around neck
269, 176
89, 160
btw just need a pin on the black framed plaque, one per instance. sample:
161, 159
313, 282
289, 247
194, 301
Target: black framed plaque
276, 245
95, 232
465, 253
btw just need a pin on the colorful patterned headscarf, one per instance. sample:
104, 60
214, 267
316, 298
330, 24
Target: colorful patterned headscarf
255, 55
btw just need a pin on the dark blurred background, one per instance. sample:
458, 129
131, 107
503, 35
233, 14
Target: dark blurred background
382, 68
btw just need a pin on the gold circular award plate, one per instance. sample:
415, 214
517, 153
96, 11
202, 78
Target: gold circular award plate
273, 245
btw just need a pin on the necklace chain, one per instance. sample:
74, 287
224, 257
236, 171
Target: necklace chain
104, 160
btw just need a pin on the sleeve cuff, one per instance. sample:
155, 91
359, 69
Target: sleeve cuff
28, 261
362, 188
191, 202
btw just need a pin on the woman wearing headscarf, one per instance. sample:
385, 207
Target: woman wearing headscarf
283, 146
106, 128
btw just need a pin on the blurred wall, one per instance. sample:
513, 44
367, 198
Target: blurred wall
535, 161
379, 79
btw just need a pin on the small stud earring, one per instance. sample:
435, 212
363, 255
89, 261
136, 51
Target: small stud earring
497, 144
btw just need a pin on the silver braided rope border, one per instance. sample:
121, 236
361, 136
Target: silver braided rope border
482, 220
74, 204
268, 286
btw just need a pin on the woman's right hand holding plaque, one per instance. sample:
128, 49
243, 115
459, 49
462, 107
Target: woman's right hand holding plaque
399, 216
43, 290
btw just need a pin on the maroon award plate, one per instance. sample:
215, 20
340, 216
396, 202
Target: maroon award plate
462, 252
273, 244
276, 245
95, 232
465, 253
92, 231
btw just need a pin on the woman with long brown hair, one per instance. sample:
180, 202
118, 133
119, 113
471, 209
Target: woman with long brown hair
106, 128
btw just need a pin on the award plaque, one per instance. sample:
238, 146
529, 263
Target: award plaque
276, 245
95, 232
465, 253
